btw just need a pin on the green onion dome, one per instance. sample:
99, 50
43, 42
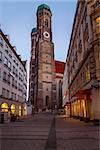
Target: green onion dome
34, 30
43, 6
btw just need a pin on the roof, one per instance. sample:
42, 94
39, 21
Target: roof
43, 6
59, 67
34, 30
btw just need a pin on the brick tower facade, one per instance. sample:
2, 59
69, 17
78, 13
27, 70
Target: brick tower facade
42, 86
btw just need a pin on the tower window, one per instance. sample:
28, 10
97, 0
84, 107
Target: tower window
46, 23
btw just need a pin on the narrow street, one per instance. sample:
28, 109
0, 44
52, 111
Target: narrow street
46, 132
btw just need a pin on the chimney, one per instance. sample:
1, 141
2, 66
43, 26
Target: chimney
14, 47
7, 36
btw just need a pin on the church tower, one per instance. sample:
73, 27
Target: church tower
43, 90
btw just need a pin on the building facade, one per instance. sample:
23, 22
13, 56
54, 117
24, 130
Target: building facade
13, 79
42, 87
83, 61
65, 91
59, 70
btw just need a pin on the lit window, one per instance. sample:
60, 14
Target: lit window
88, 73
4, 107
98, 24
13, 108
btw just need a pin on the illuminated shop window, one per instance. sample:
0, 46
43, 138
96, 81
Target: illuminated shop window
13, 108
88, 73
4, 107
98, 24
19, 110
83, 107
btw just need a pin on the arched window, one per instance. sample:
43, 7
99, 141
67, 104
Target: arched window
13, 108
4, 107
46, 23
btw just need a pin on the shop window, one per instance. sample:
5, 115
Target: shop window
88, 73
4, 107
19, 110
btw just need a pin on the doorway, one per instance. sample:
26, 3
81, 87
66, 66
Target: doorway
47, 101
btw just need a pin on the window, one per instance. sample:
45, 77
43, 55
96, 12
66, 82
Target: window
7, 92
8, 79
98, 24
40, 85
4, 76
10, 53
46, 23
5, 61
13, 70
88, 73
1, 56
3, 92
12, 81
6, 50
1, 41
0, 72
9, 64
99, 55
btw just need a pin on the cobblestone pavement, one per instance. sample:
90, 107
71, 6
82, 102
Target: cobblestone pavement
46, 132
73, 134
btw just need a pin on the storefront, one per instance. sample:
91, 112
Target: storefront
81, 105
10, 107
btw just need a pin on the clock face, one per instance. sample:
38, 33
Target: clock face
46, 34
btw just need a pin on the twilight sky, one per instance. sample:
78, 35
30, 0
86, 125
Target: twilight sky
18, 17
